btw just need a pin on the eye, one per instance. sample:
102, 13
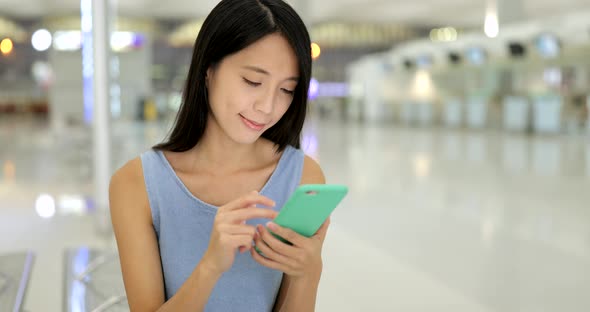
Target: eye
289, 92
252, 83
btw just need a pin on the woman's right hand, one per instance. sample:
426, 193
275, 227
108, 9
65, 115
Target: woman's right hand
230, 231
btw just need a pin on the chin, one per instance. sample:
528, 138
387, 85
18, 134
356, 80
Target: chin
242, 137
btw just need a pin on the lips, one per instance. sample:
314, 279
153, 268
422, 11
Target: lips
255, 123
252, 124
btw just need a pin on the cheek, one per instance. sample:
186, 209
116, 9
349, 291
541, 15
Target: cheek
280, 111
241, 98
232, 96
232, 102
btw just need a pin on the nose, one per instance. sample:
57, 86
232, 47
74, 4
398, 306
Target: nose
265, 103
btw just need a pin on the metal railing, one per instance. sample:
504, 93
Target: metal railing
15, 272
93, 281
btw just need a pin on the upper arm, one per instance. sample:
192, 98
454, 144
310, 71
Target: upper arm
136, 238
312, 174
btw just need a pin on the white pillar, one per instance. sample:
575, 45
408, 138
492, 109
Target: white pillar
500, 13
101, 108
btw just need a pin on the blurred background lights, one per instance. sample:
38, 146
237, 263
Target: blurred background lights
6, 46
45, 206
315, 51
41, 40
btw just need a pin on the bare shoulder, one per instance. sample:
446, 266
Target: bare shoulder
312, 172
127, 185
128, 176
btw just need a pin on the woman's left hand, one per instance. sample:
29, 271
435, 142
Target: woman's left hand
301, 259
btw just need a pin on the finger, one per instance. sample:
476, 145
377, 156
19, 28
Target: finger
235, 229
267, 262
245, 248
276, 244
249, 200
251, 206
255, 205
271, 254
288, 234
248, 246
237, 241
323, 230
250, 213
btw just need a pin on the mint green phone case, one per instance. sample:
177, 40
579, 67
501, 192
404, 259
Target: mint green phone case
309, 207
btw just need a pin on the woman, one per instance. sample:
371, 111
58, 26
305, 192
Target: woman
187, 212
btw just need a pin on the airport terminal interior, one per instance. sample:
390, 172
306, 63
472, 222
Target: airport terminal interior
461, 128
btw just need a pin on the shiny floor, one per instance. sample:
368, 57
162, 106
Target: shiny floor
436, 219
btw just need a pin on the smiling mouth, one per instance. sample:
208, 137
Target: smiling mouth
252, 124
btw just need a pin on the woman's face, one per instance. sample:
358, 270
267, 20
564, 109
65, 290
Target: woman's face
251, 90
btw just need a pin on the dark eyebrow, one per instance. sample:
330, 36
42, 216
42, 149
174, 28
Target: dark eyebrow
262, 71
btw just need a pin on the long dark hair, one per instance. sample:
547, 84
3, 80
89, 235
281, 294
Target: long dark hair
230, 27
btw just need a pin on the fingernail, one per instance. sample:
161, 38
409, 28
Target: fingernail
271, 226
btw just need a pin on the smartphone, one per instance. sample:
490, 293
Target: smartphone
309, 207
